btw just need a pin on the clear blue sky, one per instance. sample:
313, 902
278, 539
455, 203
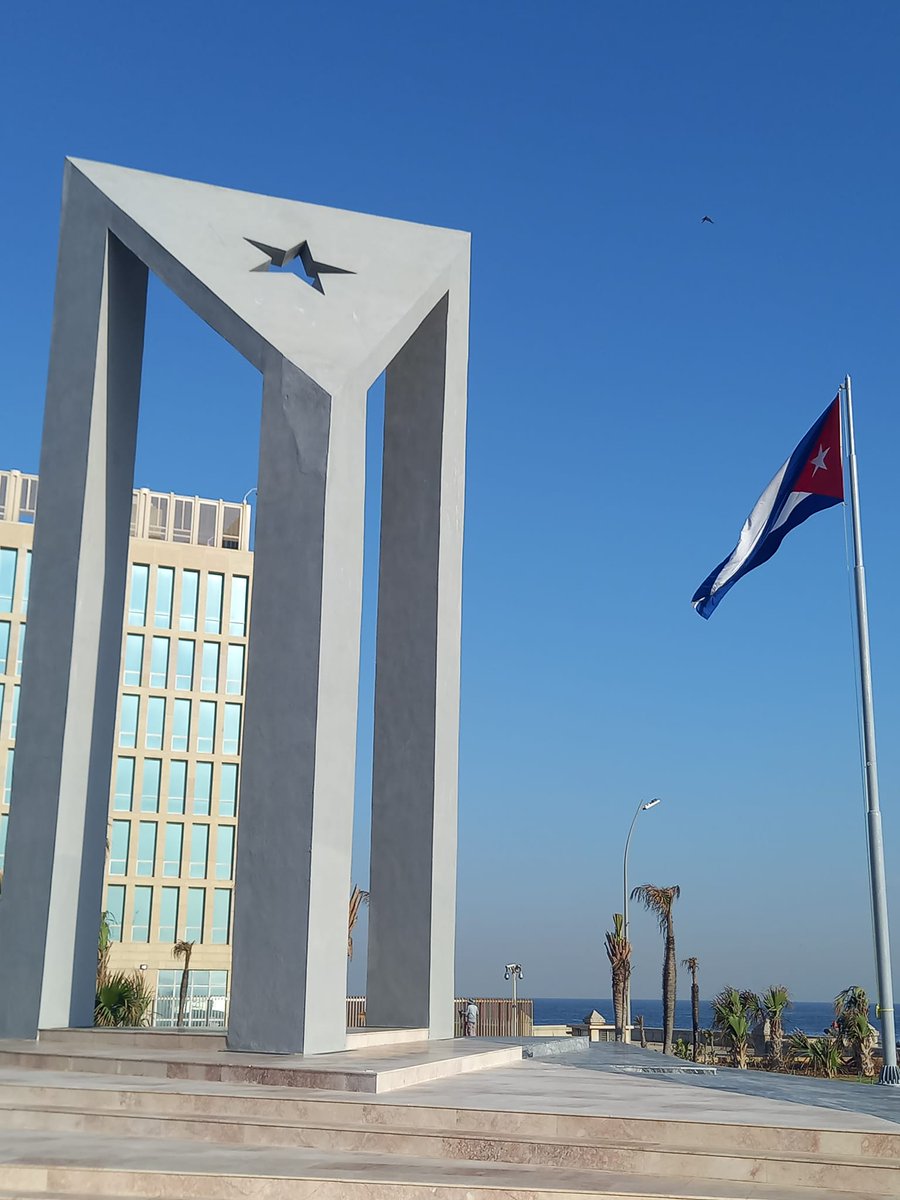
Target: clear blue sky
636, 378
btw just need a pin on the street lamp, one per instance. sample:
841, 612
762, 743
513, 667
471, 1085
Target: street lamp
514, 972
642, 807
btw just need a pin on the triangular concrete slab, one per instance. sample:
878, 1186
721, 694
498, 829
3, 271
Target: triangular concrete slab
381, 276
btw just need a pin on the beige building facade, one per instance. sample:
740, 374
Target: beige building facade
175, 780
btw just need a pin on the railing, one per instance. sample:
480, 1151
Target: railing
497, 1017
200, 1012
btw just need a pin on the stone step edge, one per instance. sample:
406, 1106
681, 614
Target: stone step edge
459, 1135
442, 1116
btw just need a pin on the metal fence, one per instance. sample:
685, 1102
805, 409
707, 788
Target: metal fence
496, 1017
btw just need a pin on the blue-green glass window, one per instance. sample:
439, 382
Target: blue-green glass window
14, 714
228, 776
181, 724
231, 732
202, 789
2, 698
137, 597
150, 785
172, 848
128, 721
206, 727
196, 906
177, 784
4, 821
159, 662
20, 649
26, 585
190, 586
8, 778
8, 559
199, 851
234, 671
115, 910
156, 721
168, 914
4, 645
165, 586
146, 852
134, 659
221, 916
184, 665
118, 847
143, 908
214, 587
224, 851
209, 667
237, 622
124, 786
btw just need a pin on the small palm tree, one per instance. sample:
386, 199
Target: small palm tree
618, 951
123, 999
821, 1055
773, 1004
357, 900
660, 901
183, 950
858, 1037
693, 965
732, 1018
104, 945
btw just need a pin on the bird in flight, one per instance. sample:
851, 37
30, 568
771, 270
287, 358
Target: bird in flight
709, 219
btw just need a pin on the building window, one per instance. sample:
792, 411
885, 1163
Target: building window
231, 733
146, 853
181, 724
7, 579
228, 773
172, 847
4, 821
118, 847
156, 722
177, 781
199, 851
124, 787
190, 586
14, 715
137, 599
7, 781
206, 533
231, 532
196, 906
206, 727
26, 586
221, 918
209, 667
128, 721
115, 910
184, 520
234, 670
134, 660
4, 645
20, 649
168, 913
184, 665
159, 662
132, 528
224, 851
159, 518
28, 495
214, 586
237, 620
143, 906
202, 789
2, 698
165, 586
150, 788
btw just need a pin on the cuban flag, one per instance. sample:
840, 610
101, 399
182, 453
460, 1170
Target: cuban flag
810, 480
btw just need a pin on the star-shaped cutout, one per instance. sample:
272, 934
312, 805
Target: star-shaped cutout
299, 261
818, 463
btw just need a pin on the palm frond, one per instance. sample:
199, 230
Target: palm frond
658, 900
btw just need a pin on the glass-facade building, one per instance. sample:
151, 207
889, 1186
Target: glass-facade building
175, 780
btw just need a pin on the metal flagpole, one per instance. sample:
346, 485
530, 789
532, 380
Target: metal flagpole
885, 1008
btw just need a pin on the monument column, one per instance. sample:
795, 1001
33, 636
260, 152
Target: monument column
53, 887
414, 788
292, 884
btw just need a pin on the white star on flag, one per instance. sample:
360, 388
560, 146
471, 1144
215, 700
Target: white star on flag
818, 463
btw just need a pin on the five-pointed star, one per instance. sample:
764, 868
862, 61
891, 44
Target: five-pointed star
818, 463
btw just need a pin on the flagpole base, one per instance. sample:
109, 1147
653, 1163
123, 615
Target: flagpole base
890, 1076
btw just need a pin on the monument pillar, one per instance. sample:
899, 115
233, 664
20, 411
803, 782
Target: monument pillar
53, 885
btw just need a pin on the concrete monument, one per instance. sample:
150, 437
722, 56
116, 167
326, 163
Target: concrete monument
373, 294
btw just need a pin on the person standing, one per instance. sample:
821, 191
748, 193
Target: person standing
471, 1018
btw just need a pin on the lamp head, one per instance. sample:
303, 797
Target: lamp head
651, 803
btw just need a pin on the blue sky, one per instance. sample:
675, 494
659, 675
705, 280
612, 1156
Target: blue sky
635, 380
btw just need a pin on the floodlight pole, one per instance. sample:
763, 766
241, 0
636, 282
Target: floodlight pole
642, 807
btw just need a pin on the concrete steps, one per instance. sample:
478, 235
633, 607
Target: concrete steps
39, 1166
857, 1163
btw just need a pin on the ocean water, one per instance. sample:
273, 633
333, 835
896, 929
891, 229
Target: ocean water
812, 1016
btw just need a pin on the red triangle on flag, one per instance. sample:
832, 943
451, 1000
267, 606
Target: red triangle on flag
823, 474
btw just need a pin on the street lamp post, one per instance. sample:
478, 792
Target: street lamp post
514, 972
642, 807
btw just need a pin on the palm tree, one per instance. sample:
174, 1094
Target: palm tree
851, 1016
822, 1055
660, 901
618, 951
123, 999
732, 1018
357, 900
693, 965
183, 950
104, 945
773, 1004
